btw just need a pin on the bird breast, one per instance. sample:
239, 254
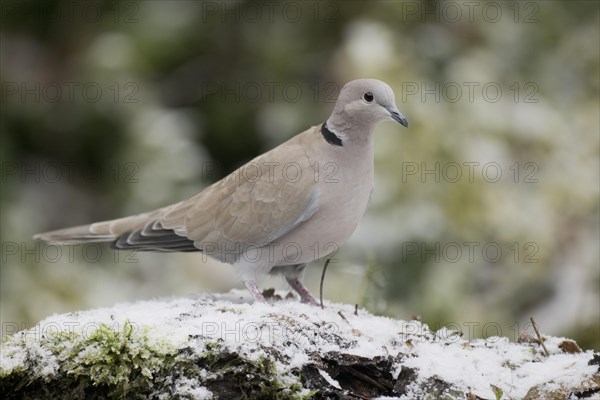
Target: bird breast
344, 188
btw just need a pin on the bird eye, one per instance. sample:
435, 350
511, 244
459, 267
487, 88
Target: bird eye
368, 97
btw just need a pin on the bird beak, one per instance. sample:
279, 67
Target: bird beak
396, 116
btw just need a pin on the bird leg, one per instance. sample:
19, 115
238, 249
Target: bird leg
255, 291
298, 286
293, 275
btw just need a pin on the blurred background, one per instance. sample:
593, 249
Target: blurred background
485, 212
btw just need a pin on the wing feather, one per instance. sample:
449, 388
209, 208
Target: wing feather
250, 209
255, 205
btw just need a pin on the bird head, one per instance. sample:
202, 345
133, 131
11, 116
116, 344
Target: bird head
364, 103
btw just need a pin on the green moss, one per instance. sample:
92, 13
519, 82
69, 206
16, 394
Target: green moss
122, 362
497, 391
117, 358
114, 360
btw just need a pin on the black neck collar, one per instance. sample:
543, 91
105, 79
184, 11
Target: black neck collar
330, 137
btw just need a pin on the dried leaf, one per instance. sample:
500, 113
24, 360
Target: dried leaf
569, 346
525, 337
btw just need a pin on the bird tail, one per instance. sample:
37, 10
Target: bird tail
105, 231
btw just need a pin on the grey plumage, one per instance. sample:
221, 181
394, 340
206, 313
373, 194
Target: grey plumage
268, 221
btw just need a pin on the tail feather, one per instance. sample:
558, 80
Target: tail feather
74, 235
143, 232
106, 231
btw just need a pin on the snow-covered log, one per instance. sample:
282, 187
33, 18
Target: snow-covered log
221, 346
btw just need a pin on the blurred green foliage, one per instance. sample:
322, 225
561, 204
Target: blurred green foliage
189, 90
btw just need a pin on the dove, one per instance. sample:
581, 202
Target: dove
294, 204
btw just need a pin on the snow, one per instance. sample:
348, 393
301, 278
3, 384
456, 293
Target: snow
297, 331
189, 388
485, 364
329, 379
